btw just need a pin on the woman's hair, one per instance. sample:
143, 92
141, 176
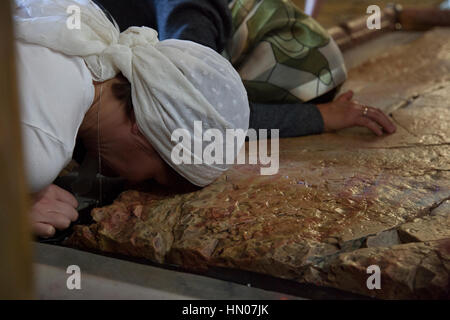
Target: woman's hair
122, 91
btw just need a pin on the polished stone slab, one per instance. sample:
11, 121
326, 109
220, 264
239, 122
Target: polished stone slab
340, 202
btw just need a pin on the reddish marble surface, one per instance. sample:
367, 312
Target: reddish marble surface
340, 202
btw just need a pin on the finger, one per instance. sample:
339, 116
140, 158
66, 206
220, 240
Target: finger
347, 96
65, 196
368, 123
57, 220
60, 221
43, 230
378, 116
64, 209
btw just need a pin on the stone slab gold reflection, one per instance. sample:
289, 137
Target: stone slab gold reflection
340, 202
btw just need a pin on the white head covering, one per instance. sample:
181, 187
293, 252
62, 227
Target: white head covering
174, 82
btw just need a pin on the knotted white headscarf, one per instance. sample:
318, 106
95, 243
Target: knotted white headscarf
174, 82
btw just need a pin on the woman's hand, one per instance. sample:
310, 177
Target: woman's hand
345, 113
53, 208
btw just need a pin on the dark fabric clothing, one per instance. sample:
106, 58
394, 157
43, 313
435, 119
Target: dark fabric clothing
293, 120
208, 22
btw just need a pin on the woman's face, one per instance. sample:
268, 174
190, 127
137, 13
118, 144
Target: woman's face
136, 160
124, 150
132, 157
